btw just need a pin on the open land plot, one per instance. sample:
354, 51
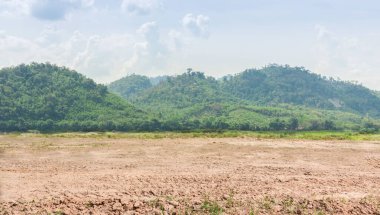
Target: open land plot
58, 175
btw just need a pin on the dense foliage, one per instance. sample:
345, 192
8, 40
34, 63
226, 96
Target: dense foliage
194, 101
283, 84
183, 91
45, 97
131, 85
377, 93
50, 98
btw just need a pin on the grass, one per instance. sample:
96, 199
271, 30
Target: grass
252, 212
157, 204
267, 203
41, 145
4, 145
230, 199
296, 135
58, 213
211, 207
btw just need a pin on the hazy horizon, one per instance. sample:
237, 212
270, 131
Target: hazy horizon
107, 40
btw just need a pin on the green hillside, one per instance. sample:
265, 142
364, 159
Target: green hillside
377, 93
128, 86
50, 98
274, 84
185, 90
194, 101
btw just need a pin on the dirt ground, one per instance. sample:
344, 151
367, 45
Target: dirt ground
187, 176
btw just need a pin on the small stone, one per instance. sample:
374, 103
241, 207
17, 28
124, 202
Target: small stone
117, 206
169, 207
157, 211
174, 203
124, 201
197, 207
277, 208
197, 202
137, 205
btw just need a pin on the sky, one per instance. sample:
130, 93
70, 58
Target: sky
109, 39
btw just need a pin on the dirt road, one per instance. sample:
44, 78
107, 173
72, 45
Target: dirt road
188, 176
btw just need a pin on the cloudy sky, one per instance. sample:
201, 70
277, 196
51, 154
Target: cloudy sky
108, 39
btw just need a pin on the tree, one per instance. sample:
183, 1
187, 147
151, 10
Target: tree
293, 124
329, 125
277, 125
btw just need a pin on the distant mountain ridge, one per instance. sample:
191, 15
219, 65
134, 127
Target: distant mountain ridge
129, 86
270, 86
49, 98
269, 98
377, 93
294, 85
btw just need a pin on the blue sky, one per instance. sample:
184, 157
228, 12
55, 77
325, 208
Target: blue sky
106, 40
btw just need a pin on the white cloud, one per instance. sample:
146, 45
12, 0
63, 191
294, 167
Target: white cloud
196, 24
175, 40
139, 7
347, 57
10, 43
104, 58
14, 7
87, 3
49, 35
151, 53
193, 28
149, 30
99, 57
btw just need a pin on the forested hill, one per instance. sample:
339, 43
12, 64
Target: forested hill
50, 98
377, 93
269, 86
194, 101
183, 91
283, 84
129, 86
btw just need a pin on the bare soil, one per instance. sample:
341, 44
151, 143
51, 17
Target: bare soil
187, 176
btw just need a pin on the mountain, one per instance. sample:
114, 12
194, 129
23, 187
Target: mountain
194, 101
158, 79
183, 91
377, 93
275, 84
131, 85
50, 98
128, 86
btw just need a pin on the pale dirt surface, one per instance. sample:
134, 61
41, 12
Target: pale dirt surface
188, 176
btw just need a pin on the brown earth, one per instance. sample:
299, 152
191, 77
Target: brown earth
187, 176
